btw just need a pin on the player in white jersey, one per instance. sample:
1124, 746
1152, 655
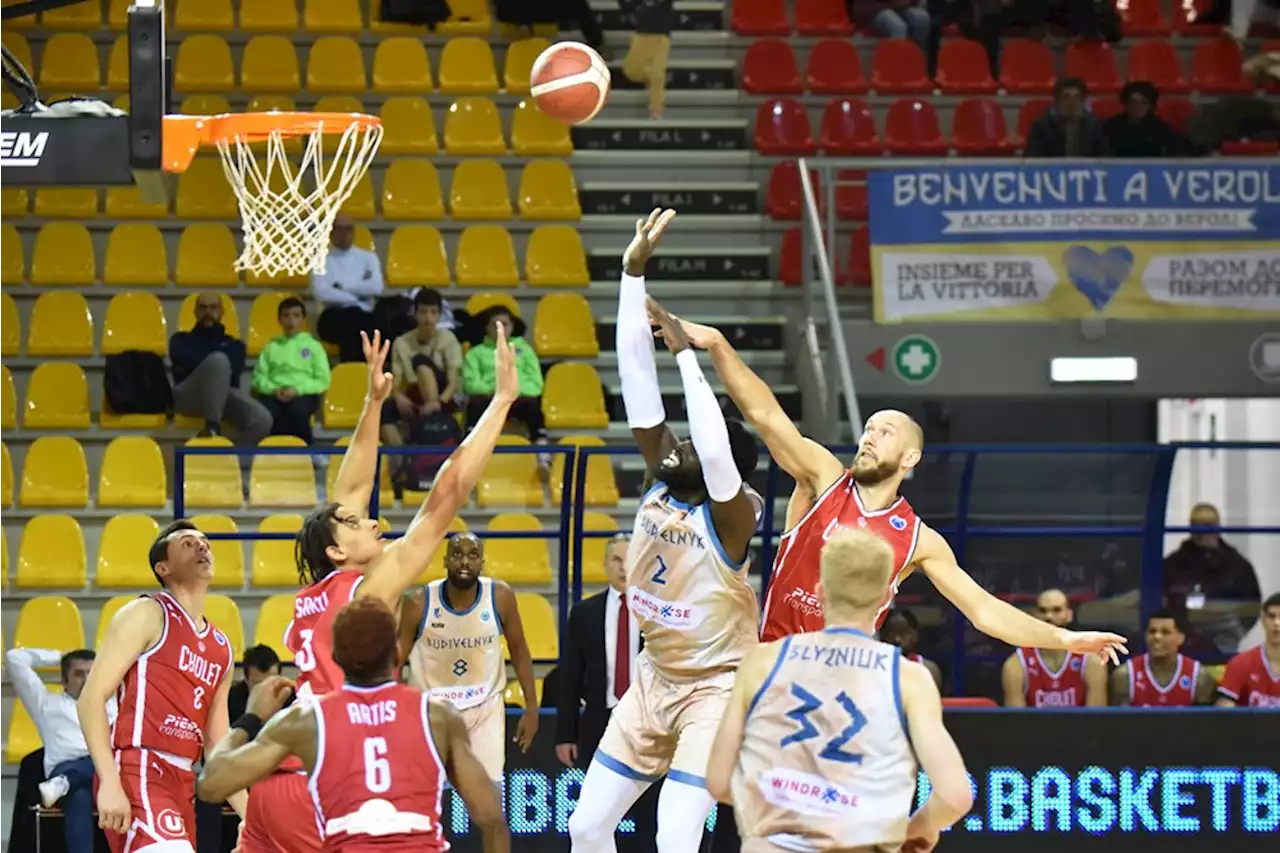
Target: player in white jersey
687, 586
818, 748
454, 632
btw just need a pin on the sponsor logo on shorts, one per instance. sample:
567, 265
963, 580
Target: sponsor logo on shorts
170, 824
804, 601
180, 727
672, 614
461, 697
806, 793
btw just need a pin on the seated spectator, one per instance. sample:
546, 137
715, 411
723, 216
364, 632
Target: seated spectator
207, 364
902, 19
480, 378
68, 769
257, 664
347, 291
426, 363
292, 373
1207, 564
1138, 131
1249, 680
1067, 129
901, 628
1053, 678
1163, 677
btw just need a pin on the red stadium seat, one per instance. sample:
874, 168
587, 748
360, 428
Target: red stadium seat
1215, 67
978, 129
782, 127
1176, 111
1143, 17
789, 258
969, 702
1027, 67
1105, 108
785, 198
1095, 64
1157, 62
821, 18
835, 68
1027, 115
911, 128
769, 68
898, 68
859, 271
963, 68
761, 18
851, 199
1251, 148
1187, 15
849, 129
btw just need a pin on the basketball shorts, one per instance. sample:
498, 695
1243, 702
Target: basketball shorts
280, 818
487, 725
661, 726
163, 799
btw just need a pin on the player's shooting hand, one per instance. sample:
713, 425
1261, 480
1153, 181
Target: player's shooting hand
1108, 647
375, 355
114, 811
508, 387
698, 335
526, 729
269, 696
669, 330
567, 753
648, 233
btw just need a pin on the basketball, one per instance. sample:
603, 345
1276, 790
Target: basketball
570, 82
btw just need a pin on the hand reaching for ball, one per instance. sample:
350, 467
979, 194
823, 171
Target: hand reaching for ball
648, 233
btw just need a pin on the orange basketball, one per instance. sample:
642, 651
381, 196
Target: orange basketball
570, 82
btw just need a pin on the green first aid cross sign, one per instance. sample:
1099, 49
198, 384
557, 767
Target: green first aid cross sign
916, 359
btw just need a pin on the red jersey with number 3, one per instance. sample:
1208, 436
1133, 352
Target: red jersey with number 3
791, 604
310, 635
378, 779
1249, 680
1145, 692
1048, 688
165, 696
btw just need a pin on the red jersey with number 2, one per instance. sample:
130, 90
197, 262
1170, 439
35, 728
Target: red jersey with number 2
378, 779
791, 604
310, 634
1144, 692
1048, 688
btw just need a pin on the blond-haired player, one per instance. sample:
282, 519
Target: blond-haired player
818, 748
687, 587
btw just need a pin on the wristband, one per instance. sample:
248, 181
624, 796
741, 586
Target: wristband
251, 724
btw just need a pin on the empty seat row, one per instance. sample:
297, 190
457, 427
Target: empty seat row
136, 255
853, 265
899, 67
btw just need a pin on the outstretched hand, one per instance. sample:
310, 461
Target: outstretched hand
648, 233
693, 334
1108, 647
375, 355
669, 330
508, 387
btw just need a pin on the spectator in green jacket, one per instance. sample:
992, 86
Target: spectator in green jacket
479, 378
292, 373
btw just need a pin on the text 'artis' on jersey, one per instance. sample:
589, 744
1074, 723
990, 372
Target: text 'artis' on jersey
372, 713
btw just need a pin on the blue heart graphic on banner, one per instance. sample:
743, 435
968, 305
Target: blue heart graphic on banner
1098, 276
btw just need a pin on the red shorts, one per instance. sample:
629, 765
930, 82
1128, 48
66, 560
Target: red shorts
281, 817
163, 800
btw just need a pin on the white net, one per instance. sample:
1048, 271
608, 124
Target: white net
287, 211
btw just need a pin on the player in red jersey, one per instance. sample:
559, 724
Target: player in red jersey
377, 752
170, 670
1252, 678
1052, 678
827, 496
341, 557
1163, 677
899, 627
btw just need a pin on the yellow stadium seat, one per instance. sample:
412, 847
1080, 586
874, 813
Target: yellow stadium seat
6, 476
212, 482
10, 327
135, 256
13, 202
480, 301
274, 615
408, 126
9, 397
230, 319
342, 104
359, 205
547, 191
344, 400
273, 561
335, 64
435, 569
467, 68
386, 496
470, 17
539, 621
206, 254
594, 549
55, 474
70, 64
563, 327
135, 320
78, 16
277, 480
536, 134
52, 554
228, 556
269, 16
66, 202
472, 127
13, 255
572, 397
264, 320
49, 622
57, 397
554, 256
24, 738
121, 102
127, 203
333, 16
517, 561
411, 190
377, 25
122, 551
416, 257
63, 254
118, 65
118, 13
602, 486
520, 57
510, 479
214, 15
205, 105
486, 258
270, 64
203, 192
108, 419
224, 614
60, 325
107, 613
17, 43
479, 191
401, 67
132, 474
203, 65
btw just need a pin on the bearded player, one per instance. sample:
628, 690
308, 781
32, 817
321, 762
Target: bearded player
341, 553
377, 752
1163, 677
687, 586
1053, 678
170, 670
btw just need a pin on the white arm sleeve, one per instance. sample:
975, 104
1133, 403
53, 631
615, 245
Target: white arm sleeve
708, 431
636, 366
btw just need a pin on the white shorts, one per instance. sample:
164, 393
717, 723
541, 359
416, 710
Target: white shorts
487, 725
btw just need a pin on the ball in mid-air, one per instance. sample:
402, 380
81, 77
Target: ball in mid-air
570, 82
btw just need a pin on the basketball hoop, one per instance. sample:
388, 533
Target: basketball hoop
286, 208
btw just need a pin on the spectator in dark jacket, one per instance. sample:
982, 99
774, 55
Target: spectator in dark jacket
207, 364
1068, 129
1138, 131
906, 19
1205, 561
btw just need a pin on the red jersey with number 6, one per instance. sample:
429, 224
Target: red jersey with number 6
791, 604
310, 634
164, 698
378, 779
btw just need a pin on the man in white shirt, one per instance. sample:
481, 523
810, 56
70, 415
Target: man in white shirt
347, 291
67, 766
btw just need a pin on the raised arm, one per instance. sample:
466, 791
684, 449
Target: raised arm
950, 795
468, 776
354, 485
521, 659
251, 751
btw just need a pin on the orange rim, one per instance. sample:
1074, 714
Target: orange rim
184, 135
